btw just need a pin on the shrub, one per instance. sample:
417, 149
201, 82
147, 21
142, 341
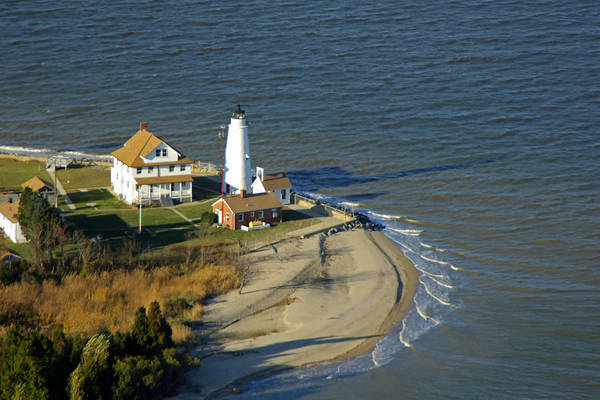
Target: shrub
93, 376
12, 271
34, 366
208, 218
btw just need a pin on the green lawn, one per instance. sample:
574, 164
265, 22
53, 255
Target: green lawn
99, 212
21, 249
194, 210
292, 220
101, 198
83, 177
166, 226
13, 173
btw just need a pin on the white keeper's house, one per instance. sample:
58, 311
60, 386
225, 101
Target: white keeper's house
147, 168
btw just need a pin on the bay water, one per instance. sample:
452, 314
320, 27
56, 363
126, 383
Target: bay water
469, 128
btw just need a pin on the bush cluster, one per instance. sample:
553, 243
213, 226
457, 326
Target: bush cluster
139, 364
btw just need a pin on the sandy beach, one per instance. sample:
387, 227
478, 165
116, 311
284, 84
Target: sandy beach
303, 301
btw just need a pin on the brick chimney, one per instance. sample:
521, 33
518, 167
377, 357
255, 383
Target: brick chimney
243, 193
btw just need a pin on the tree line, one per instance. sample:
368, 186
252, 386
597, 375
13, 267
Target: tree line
139, 364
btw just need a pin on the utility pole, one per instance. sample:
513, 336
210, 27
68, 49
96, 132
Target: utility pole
140, 201
55, 188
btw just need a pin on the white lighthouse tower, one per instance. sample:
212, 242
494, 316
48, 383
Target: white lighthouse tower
238, 175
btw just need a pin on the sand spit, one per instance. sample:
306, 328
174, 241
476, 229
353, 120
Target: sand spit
304, 301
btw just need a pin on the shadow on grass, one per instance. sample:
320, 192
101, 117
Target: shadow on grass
108, 225
102, 197
169, 237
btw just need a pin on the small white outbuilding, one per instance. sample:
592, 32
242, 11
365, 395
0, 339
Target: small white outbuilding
277, 183
9, 222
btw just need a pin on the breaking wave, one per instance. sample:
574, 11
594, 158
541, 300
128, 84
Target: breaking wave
37, 152
431, 306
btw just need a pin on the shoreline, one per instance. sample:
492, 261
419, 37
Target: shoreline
307, 313
408, 277
371, 253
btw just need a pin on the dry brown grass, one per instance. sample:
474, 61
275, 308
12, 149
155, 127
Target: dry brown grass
182, 333
110, 299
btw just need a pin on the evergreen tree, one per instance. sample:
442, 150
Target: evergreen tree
137, 378
159, 328
25, 365
92, 379
41, 225
141, 334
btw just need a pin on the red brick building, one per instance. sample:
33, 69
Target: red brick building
235, 211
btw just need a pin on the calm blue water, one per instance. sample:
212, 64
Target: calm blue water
470, 128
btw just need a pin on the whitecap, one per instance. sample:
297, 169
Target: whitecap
408, 232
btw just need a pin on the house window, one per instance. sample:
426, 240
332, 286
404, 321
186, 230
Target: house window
261, 214
241, 217
150, 170
137, 187
172, 187
171, 168
139, 171
283, 194
151, 188
226, 216
182, 168
251, 214
164, 152
157, 152
274, 212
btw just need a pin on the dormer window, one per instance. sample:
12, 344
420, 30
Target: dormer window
157, 152
164, 152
